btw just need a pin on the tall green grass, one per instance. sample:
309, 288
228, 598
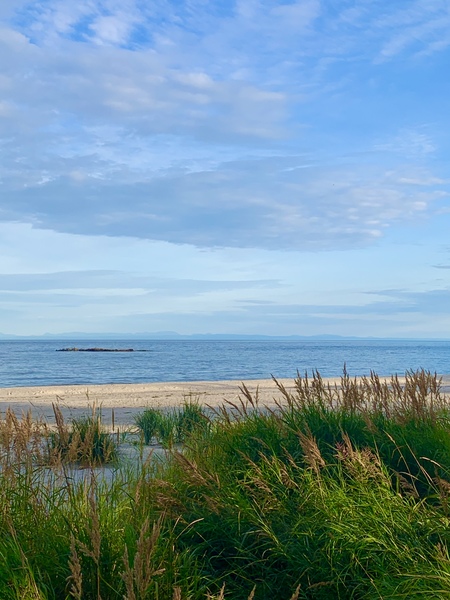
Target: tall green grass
174, 426
337, 492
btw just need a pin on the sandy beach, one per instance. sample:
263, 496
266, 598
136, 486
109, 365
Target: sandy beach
129, 399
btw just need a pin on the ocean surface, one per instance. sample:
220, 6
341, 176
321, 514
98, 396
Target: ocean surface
34, 363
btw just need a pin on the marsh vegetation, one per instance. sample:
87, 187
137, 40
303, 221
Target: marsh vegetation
336, 492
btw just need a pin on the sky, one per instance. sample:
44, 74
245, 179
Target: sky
225, 166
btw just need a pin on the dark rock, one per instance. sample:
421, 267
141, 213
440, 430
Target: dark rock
95, 350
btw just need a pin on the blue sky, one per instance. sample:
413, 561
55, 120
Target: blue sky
247, 167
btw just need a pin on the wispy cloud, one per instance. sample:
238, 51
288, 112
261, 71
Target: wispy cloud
422, 28
411, 143
105, 281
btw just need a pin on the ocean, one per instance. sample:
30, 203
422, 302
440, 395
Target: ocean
37, 362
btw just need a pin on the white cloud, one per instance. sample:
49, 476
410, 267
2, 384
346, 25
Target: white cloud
113, 30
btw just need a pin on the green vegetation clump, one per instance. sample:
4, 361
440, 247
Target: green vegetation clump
172, 427
84, 442
337, 492
148, 423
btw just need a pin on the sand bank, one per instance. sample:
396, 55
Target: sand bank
129, 399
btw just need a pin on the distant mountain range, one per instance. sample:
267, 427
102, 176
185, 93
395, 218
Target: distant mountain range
172, 335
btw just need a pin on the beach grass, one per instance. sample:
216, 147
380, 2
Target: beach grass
85, 441
174, 426
338, 492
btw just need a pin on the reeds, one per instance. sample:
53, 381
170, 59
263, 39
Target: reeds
340, 492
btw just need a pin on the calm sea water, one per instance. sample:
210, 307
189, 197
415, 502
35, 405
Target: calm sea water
29, 363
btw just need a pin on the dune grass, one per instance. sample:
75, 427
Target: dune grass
338, 492
85, 441
174, 426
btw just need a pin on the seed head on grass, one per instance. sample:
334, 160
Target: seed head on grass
76, 576
176, 593
311, 452
139, 575
363, 465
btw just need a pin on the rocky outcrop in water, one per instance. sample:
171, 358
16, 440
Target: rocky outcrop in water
96, 350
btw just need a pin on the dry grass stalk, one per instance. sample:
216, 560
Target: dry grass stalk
251, 596
138, 577
95, 535
167, 499
84, 442
296, 593
196, 476
407, 486
417, 395
221, 595
176, 593
200, 479
21, 440
363, 465
62, 429
252, 593
251, 400
76, 577
311, 452
443, 485
258, 481
279, 469
94, 551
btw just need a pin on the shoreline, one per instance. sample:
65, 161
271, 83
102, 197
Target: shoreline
128, 399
